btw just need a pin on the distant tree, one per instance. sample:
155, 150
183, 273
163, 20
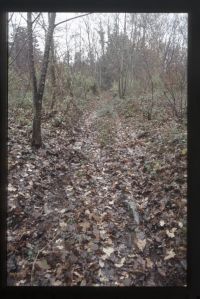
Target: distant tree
18, 49
116, 60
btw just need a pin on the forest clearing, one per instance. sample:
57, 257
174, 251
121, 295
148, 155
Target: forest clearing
97, 196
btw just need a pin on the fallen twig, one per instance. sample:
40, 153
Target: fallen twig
35, 260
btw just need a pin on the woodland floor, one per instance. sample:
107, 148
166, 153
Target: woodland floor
104, 205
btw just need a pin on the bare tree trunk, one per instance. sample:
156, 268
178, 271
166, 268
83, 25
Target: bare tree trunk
38, 89
36, 135
102, 43
90, 48
151, 105
53, 75
53, 83
123, 67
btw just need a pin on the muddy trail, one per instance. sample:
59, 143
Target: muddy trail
83, 211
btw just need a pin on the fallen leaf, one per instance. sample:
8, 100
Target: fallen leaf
96, 233
11, 188
57, 283
102, 234
162, 222
109, 241
58, 241
171, 234
170, 254
141, 244
132, 255
101, 264
180, 224
85, 225
108, 250
184, 151
77, 274
95, 217
60, 247
43, 264
161, 272
104, 257
59, 271
120, 264
149, 263
93, 246
83, 282
63, 224
157, 166
111, 202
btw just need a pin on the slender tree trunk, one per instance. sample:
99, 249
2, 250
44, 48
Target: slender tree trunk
119, 88
123, 67
53, 75
38, 89
36, 135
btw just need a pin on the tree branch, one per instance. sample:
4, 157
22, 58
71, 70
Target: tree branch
10, 17
30, 52
36, 18
72, 19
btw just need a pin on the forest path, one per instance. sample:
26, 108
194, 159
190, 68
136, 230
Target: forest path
109, 205
77, 222
86, 210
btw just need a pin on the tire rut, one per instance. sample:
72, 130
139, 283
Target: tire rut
110, 195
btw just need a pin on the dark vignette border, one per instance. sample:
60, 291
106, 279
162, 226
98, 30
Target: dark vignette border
192, 291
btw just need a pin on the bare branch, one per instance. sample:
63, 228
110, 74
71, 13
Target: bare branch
72, 19
23, 17
39, 251
36, 17
10, 17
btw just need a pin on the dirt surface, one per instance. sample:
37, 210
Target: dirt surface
102, 205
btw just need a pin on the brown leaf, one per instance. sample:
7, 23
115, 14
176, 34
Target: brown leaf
11, 188
85, 226
101, 264
161, 272
141, 244
149, 263
56, 283
108, 251
96, 233
170, 254
162, 222
120, 264
43, 264
170, 234
83, 282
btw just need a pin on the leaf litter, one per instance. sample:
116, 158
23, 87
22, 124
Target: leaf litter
107, 209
